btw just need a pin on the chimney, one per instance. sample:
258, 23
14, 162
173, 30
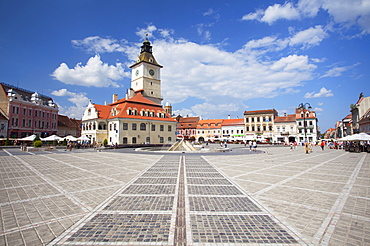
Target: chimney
228, 117
284, 114
114, 98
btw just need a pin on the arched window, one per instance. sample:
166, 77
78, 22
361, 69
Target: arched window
169, 139
124, 140
142, 127
134, 140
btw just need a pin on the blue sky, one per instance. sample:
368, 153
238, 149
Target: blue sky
219, 57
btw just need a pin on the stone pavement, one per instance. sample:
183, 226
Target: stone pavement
118, 197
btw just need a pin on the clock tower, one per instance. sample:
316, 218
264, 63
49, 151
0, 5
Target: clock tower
146, 74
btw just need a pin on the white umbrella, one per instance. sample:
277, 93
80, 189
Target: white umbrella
52, 138
360, 137
84, 138
70, 138
346, 138
29, 138
357, 137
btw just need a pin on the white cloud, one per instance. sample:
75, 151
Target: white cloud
344, 12
338, 71
209, 12
213, 110
322, 93
305, 38
100, 45
94, 73
350, 12
309, 37
79, 100
218, 77
277, 11
317, 109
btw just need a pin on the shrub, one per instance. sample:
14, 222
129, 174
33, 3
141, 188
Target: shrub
105, 142
7, 142
64, 142
37, 143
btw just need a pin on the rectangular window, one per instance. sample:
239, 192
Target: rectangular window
125, 126
153, 127
30, 112
134, 126
161, 128
169, 128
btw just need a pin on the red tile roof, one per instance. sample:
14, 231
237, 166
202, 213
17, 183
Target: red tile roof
233, 122
210, 124
287, 118
120, 109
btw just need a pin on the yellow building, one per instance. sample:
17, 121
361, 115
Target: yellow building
259, 124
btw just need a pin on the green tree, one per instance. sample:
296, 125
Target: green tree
64, 142
105, 142
7, 142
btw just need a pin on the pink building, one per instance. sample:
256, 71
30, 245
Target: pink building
28, 112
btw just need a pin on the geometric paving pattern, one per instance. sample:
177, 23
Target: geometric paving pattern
120, 197
144, 212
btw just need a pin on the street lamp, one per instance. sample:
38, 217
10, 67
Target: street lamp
302, 106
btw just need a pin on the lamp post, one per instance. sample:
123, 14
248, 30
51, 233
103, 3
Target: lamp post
302, 106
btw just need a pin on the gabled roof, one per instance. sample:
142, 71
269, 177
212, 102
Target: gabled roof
121, 108
206, 124
232, 122
189, 120
286, 118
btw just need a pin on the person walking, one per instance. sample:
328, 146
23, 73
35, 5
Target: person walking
254, 145
306, 147
322, 145
250, 145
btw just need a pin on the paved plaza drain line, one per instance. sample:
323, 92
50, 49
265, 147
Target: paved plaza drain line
179, 200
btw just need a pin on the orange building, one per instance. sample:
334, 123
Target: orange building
209, 130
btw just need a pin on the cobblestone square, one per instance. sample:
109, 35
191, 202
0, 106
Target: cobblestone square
118, 197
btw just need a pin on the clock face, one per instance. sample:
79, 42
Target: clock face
137, 72
151, 72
